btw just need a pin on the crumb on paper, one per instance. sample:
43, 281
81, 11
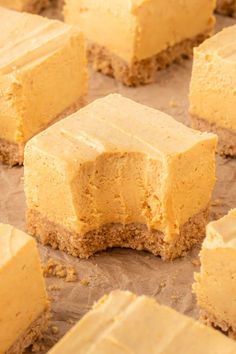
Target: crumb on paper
55, 329
53, 268
175, 297
37, 347
162, 285
70, 274
196, 262
173, 103
216, 202
84, 282
54, 287
70, 321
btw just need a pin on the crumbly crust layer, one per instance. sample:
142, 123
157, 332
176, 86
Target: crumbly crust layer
226, 7
13, 154
210, 320
140, 72
227, 137
33, 333
135, 236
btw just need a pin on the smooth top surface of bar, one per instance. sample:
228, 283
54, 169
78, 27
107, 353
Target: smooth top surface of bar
222, 44
26, 38
11, 241
124, 323
222, 233
115, 123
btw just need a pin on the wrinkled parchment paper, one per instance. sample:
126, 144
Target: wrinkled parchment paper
140, 272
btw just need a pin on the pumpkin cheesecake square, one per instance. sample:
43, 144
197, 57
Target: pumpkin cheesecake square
119, 174
122, 322
43, 77
215, 285
24, 304
132, 39
213, 89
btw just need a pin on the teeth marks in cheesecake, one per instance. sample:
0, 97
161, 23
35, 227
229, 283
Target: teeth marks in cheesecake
37, 57
128, 175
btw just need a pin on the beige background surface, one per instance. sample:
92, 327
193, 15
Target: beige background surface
140, 272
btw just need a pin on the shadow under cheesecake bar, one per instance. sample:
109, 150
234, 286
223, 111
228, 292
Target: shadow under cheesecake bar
24, 303
43, 77
118, 173
131, 41
212, 89
215, 286
122, 322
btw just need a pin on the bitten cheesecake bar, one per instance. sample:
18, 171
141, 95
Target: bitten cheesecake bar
43, 77
132, 39
226, 7
124, 323
118, 173
23, 298
215, 285
213, 89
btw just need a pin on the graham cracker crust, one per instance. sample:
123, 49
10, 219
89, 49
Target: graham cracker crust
140, 72
211, 321
135, 236
33, 333
227, 137
226, 7
13, 154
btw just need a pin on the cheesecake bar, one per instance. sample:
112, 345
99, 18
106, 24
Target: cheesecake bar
131, 40
43, 77
122, 322
23, 298
213, 89
226, 7
215, 285
34, 6
119, 174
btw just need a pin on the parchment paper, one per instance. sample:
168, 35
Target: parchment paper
140, 272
